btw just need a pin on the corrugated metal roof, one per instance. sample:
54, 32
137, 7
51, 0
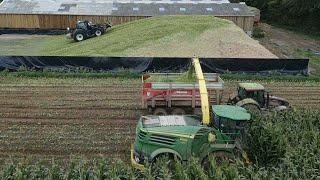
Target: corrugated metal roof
125, 7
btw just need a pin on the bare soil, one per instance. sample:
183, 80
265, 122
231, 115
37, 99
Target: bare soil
285, 43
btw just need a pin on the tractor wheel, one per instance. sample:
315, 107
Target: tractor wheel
160, 112
253, 109
219, 157
281, 108
98, 32
79, 35
178, 111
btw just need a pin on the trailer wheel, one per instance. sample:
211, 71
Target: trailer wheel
178, 111
160, 112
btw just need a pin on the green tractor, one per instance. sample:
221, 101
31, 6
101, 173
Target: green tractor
182, 136
254, 98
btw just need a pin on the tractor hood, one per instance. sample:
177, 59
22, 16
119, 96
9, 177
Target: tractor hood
278, 98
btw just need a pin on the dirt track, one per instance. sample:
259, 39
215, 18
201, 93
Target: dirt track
54, 118
284, 43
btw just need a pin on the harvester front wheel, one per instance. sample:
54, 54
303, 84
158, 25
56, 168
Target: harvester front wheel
160, 112
219, 158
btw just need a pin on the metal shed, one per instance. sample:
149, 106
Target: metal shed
60, 14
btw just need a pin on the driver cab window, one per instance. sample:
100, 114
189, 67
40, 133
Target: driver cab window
241, 93
227, 125
216, 121
223, 124
257, 95
82, 26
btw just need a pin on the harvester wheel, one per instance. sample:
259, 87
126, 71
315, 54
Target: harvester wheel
219, 157
178, 111
168, 159
160, 112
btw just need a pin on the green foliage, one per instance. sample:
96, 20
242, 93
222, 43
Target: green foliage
314, 62
270, 78
181, 172
195, 170
23, 72
302, 14
127, 37
266, 145
258, 32
188, 77
286, 146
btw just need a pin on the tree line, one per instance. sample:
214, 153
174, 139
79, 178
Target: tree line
302, 14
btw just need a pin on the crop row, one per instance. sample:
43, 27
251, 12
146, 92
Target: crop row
57, 118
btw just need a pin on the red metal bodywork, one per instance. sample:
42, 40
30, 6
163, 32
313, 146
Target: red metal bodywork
175, 94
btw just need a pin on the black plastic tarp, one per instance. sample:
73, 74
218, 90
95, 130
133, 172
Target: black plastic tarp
154, 64
32, 31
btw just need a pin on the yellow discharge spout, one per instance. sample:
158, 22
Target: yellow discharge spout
203, 92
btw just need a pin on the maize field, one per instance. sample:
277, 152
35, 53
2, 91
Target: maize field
64, 128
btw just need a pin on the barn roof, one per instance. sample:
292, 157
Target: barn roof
125, 7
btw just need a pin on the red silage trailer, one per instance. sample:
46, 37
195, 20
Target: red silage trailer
169, 96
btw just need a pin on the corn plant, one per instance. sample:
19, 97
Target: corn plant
281, 146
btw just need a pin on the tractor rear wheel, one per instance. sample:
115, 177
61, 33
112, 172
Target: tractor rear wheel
98, 32
79, 35
160, 112
178, 111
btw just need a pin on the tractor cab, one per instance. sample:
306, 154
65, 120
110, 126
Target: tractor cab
230, 120
254, 91
254, 98
82, 25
